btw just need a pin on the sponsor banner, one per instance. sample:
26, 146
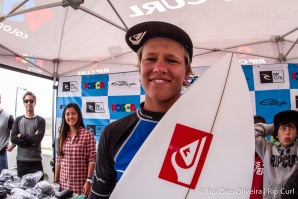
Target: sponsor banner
95, 85
293, 76
121, 106
96, 126
269, 102
124, 84
268, 77
253, 101
105, 98
95, 107
248, 72
70, 87
63, 101
294, 99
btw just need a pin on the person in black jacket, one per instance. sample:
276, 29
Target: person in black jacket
290, 190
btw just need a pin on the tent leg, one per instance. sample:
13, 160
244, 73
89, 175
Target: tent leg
55, 87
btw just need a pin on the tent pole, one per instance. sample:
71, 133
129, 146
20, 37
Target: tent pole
281, 57
286, 34
54, 98
291, 48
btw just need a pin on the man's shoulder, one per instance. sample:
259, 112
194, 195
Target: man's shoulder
123, 122
40, 118
5, 113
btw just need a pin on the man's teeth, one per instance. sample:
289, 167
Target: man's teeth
159, 80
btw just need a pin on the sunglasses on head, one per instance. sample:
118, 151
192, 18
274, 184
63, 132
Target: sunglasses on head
31, 101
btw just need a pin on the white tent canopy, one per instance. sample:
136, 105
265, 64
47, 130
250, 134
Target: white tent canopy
75, 37
54, 38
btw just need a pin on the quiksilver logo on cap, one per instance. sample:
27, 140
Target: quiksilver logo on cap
137, 38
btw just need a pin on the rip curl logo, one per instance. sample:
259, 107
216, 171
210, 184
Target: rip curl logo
95, 129
186, 156
137, 38
70, 86
276, 76
94, 107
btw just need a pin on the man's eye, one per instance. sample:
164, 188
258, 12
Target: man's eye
150, 59
172, 61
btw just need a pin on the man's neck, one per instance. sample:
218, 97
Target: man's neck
155, 106
30, 114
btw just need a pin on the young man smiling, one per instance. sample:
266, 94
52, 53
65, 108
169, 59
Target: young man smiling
164, 57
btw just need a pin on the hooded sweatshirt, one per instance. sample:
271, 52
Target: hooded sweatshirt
280, 163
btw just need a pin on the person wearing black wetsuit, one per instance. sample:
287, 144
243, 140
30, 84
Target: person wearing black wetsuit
164, 57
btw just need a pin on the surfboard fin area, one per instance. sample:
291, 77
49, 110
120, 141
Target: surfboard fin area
216, 117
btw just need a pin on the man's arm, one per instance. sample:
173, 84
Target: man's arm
261, 130
105, 176
291, 188
14, 138
10, 146
37, 137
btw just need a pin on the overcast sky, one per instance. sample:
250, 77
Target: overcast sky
42, 88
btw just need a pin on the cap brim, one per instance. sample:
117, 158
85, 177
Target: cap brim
289, 115
137, 35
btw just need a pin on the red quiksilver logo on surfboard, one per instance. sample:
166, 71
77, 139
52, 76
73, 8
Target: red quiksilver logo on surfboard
186, 155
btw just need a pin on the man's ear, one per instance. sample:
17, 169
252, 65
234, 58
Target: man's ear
186, 76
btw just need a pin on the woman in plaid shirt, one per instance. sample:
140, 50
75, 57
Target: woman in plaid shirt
75, 159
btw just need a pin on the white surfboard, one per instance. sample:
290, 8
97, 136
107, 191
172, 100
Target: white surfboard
204, 145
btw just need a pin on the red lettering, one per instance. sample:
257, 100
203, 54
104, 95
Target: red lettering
133, 107
102, 85
293, 76
85, 86
113, 107
37, 18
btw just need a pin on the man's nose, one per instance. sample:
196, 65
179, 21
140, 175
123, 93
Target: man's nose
160, 67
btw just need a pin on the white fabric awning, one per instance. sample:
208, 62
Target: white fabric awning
76, 37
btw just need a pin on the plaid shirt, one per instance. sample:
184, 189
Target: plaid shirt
78, 154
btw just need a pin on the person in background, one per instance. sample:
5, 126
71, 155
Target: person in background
6, 122
164, 54
75, 158
291, 187
257, 182
27, 133
280, 162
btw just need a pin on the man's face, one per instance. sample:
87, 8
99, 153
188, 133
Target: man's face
287, 134
29, 103
162, 69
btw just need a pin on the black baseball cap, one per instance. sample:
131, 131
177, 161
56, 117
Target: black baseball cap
289, 115
137, 35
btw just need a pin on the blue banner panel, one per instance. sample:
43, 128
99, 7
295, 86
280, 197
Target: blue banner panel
270, 102
95, 85
120, 106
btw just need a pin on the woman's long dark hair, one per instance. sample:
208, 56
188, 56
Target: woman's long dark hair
64, 128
